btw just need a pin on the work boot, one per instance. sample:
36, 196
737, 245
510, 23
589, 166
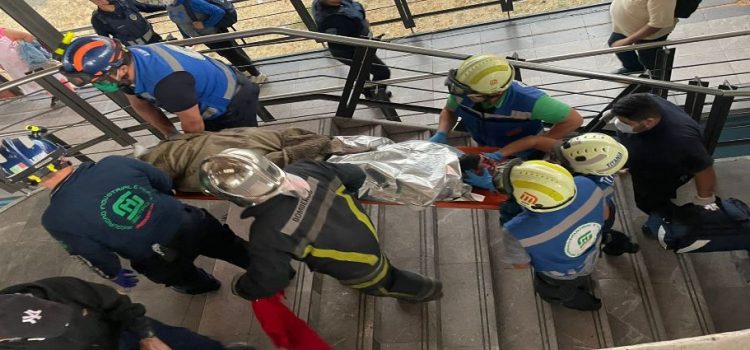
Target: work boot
583, 301
429, 289
206, 284
618, 243
239, 346
647, 232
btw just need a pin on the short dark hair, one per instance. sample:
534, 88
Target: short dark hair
637, 107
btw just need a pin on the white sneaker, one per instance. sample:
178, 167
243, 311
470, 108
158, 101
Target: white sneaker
259, 79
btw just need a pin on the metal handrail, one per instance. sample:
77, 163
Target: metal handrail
444, 54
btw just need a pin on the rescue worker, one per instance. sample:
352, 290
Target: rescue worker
498, 110
557, 232
593, 155
669, 164
347, 18
123, 206
305, 212
196, 18
122, 20
72, 314
205, 94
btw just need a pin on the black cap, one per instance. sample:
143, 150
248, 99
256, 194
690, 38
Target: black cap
25, 317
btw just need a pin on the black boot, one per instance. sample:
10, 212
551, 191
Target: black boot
583, 301
204, 283
618, 243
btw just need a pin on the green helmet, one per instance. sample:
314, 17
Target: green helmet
484, 74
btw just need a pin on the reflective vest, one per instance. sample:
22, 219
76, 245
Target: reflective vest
215, 82
348, 8
131, 29
504, 124
607, 184
561, 243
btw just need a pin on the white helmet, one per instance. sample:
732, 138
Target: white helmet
593, 153
241, 176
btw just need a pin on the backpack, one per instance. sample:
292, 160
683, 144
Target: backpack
700, 230
230, 13
685, 8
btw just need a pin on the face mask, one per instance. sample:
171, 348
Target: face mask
624, 128
107, 86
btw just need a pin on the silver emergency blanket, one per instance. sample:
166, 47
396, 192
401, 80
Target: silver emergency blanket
361, 143
416, 173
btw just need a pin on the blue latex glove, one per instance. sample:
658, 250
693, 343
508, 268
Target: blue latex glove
481, 181
494, 155
439, 137
126, 278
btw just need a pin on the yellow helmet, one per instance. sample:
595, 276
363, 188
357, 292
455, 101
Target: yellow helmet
542, 186
481, 74
594, 153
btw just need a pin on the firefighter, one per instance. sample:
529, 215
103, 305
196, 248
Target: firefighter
306, 212
123, 206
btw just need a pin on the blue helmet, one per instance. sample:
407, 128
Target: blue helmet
34, 157
91, 57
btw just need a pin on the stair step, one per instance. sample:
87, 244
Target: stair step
408, 239
725, 290
626, 290
468, 307
524, 320
678, 295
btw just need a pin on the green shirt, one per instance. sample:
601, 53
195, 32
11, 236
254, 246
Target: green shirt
547, 109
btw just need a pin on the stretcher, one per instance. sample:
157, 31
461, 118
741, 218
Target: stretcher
491, 201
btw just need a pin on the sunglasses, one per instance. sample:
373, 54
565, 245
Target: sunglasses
81, 79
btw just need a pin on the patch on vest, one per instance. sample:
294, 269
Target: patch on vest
582, 238
127, 207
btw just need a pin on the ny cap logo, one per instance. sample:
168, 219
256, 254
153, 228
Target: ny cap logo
31, 316
528, 198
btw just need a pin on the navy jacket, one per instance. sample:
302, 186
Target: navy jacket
118, 205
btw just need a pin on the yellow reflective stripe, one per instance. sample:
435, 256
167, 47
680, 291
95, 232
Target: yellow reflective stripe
487, 71
384, 292
519, 184
376, 280
368, 259
51, 167
358, 213
34, 178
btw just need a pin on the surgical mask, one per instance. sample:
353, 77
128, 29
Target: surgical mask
623, 127
107, 86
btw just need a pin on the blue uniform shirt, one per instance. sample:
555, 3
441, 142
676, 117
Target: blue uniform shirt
117, 205
215, 83
561, 243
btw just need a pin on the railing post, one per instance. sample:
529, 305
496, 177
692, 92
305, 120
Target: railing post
694, 101
663, 69
717, 117
517, 69
403, 10
25, 15
359, 73
304, 15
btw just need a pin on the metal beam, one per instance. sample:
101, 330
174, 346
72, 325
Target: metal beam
359, 73
694, 101
663, 69
304, 15
717, 118
47, 35
406, 17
